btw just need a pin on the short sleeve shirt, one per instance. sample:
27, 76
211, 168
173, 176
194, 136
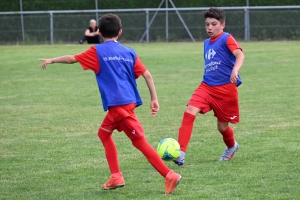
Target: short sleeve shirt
222, 90
231, 43
89, 61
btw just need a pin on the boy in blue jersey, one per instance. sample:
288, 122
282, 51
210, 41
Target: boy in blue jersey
223, 58
116, 68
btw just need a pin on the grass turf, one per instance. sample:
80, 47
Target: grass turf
49, 120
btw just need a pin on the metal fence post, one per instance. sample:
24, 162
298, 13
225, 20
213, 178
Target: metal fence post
167, 22
152, 19
51, 28
22, 20
182, 21
96, 5
246, 24
248, 21
147, 26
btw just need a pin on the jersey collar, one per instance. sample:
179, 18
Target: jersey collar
213, 39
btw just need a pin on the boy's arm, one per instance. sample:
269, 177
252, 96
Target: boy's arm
239, 55
154, 102
62, 59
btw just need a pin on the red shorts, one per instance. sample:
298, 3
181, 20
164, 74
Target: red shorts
124, 119
224, 104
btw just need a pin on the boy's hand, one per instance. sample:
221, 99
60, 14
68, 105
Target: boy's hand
154, 107
45, 62
154, 103
234, 76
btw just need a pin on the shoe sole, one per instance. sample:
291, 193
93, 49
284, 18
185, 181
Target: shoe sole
115, 187
179, 164
231, 156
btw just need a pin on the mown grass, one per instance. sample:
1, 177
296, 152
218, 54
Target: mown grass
49, 122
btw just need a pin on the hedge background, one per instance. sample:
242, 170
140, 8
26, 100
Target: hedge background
279, 24
29, 5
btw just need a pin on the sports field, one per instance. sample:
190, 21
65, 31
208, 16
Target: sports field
49, 120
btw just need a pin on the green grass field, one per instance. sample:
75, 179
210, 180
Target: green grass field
49, 121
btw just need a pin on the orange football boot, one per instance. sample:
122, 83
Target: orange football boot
116, 180
172, 180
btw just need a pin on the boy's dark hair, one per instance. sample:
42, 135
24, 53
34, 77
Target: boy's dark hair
215, 13
109, 25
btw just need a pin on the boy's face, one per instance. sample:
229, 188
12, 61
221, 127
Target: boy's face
213, 27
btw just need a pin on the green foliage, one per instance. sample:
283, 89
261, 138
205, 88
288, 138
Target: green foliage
274, 24
14, 5
49, 121
69, 28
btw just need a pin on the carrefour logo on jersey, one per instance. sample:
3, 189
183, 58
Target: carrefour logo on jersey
210, 54
212, 66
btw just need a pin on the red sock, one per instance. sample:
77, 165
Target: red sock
110, 148
228, 137
151, 155
185, 131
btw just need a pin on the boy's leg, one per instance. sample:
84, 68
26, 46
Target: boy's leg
227, 111
135, 132
105, 134
197, 104
228, 138
227, 133
186, 128
116, 179
185, 132
110, 148
149, 152
133, 129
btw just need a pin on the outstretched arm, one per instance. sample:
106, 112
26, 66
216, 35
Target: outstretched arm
239, 55
62, 59
154, 102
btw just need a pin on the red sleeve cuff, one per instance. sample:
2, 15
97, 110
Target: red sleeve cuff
232, 44
139, 67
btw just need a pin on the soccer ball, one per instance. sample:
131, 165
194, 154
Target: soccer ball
168, 149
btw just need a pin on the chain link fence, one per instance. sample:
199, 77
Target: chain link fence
245, 23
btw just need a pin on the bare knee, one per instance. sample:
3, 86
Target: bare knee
192, 110
222, 126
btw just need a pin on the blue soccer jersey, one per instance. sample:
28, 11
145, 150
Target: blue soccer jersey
116, 79
219, 62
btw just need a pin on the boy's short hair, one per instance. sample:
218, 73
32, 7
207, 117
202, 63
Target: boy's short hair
215, 13
109, 25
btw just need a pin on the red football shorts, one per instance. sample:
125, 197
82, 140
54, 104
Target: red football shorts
124, 119
223, 100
